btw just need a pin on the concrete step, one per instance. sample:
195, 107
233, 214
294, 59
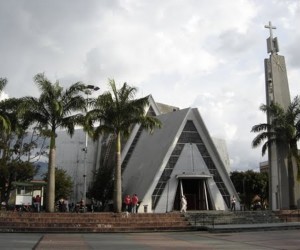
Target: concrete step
91, 222
289, 215
253, 227
227, 217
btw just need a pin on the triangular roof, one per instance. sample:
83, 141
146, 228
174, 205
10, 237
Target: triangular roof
152, 152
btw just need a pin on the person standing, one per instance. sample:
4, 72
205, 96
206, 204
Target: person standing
233, 203
183, 204
66, 205
134, 202
93, 203
127, 202
37, 203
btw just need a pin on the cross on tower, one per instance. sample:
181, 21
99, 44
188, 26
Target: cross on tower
270, 27
272, 42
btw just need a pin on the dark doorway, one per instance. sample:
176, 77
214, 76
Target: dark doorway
195, 191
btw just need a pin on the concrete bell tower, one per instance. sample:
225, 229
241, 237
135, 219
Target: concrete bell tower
277, 91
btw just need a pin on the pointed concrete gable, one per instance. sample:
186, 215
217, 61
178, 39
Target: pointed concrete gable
181, 150
151, 110
151, 154
153, 107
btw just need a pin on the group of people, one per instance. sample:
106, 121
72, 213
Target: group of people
63, 205
131, 203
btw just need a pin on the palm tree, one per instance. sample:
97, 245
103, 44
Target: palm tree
283, 130
9, 110
55, 108
4, 120
117, 111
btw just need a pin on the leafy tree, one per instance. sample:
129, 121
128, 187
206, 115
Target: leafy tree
116, 111
14, 165
283, 130
237, 179
102, 187
55, 108
4, 120
14, 171
250, 184
63, 184
263, 186
18, 150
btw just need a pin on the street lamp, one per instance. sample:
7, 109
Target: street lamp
89, 88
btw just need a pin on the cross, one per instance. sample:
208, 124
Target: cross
270, 27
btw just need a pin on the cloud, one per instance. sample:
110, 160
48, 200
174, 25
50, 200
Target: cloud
3, 96
205, 54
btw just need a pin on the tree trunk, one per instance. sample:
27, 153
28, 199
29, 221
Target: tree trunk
291, 174
118, 184
51, 176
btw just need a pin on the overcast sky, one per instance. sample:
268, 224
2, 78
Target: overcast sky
186, 53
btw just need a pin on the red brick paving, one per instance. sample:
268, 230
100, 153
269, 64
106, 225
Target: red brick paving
62, 241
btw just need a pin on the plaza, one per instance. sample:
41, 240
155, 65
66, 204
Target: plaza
259, 240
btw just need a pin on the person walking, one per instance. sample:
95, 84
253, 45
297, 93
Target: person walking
134, 202
183, 204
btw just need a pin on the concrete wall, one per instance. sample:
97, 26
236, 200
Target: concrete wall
70, 157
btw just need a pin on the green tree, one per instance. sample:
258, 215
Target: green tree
117, 111
262, 180
55, 108
237, 179
102, 187
4, 120
15, 148
250, 184
63, 184
14, 171
283, 130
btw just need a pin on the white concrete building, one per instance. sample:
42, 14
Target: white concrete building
71, 157
181, 157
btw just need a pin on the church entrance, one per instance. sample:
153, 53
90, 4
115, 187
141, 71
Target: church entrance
195, 191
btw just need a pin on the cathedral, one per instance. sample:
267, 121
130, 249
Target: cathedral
178, 159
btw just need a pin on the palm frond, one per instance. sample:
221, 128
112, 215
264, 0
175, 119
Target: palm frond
261, 127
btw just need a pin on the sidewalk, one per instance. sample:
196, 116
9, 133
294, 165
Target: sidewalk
262, 240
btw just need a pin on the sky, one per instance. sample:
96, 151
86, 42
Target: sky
186, 53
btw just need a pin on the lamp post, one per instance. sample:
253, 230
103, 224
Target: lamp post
89, 88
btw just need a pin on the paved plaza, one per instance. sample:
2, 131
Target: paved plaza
285, 239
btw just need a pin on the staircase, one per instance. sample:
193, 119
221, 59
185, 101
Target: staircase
210, 218
289, 215
91, 222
